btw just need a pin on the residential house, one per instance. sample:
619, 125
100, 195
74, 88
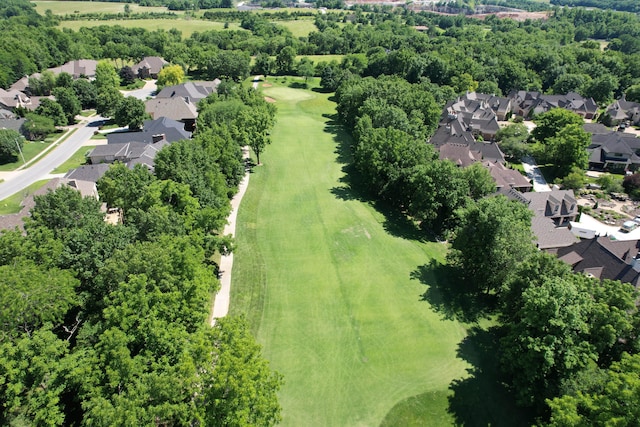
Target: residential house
622, 110
473, 112
150, 66
91, 173
192, 91
595, 128
507, 178
78, 68
129, 153
176, 108
616, 151
528, 104
152, 131
604, 258
10, 99
13, 124
552, 212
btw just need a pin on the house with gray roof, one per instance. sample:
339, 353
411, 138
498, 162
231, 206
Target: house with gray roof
77, 68
604, 258
507, 178
152, 131
622, 110
90, 173
192, 91
12, 98
615, 151
176, 108
149, 66
552, 212
530, 103
129, 153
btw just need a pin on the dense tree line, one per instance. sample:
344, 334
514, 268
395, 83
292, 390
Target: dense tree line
621, 5
106, 324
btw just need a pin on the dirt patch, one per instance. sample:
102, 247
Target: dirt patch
266, 85
268, 99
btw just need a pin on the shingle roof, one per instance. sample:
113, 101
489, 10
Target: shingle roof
171, 129
88, 172
604, 258
176, 108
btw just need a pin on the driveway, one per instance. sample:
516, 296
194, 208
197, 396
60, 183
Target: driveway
533, 173
143, 93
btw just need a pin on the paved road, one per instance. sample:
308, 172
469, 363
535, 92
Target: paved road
54, 158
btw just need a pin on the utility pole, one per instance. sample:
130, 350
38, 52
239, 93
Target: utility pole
21, 155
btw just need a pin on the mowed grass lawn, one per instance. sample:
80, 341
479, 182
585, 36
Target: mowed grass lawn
328, 290
58, 7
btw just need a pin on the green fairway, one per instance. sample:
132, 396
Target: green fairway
299, 27
327, 289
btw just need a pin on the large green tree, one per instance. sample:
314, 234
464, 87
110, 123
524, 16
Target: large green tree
553, 121
10, 144
69, 102
130, 112
493, 235
568, 149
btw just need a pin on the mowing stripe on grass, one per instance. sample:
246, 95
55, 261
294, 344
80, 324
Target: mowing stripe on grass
328, 290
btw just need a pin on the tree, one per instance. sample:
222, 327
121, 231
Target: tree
130, 112
493, 234
64, 80
66, 97
43, 85
547, 340
306, 69
575, 180
613, 400
553, 121
10, 145
568, 148
37, 127
106, 76
285, 60
633, 93
86, 93
170, 76
263, 64
62, 210
127, 76
512, 140
52, 110
601, 88
27, 303
108, 100
252, 127
481, 183
631, 184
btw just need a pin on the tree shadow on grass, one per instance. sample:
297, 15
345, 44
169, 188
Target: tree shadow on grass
353, 187
482, 399
449, 296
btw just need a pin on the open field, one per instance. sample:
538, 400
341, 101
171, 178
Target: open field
186, 27
68, 7
324, 279
300, 27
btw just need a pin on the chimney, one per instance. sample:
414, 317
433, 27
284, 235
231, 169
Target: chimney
157, 138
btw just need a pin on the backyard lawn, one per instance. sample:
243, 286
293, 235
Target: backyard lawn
324, 279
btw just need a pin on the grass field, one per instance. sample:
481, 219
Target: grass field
186, 27
300, 27
68, 7
327, 288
